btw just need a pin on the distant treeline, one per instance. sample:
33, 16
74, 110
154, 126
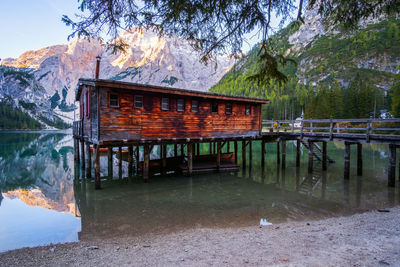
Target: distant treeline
11, 118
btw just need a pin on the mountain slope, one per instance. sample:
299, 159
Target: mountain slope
50, 74
330, 61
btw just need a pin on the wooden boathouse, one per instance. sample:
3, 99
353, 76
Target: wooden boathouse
121, 114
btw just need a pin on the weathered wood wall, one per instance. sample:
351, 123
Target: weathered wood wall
128, 122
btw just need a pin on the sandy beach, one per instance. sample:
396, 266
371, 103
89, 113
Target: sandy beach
367, 239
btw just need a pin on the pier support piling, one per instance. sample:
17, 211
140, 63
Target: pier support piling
244, 154
392, 165
298, 144
190, 158
146, 162
346, 161
96, 163
262, 153
283, 143
120, 162
278, 152
76, 150
359, 160
110, 162
235, 147
82, 154
250, 151
324, 156
88, 163
310, 156
218, 156
130, 161
164, 159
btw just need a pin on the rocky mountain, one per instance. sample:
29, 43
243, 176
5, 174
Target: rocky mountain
41, 83
330, 61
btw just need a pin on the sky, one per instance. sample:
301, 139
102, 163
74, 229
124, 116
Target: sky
35, 24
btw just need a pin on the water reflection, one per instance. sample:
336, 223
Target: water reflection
37, 170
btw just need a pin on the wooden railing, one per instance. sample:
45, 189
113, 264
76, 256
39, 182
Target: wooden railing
365, 127
77, 129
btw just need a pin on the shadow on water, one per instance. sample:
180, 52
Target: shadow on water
38, 169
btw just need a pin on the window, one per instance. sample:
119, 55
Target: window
195, 105
180, 105
165, 103
214, 107
138, 101
114, 101
248, 110
228, 109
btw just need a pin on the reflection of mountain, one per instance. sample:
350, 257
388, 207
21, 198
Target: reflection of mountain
37, 168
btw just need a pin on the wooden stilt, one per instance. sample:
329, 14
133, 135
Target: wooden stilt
175, 150
310, 156
214, 147
120, 162
359, 160
244, 154
298, 152
347, 161
76, 150
392, 166
218, 156
324, 156
110, 162
130, 161
96, 163
228, 147
190, 158
83, 154
262, 153
283, 143
278, 152
198, 149
250, 151
210, 148
146, 161
182, 150
164, 159
235, 146
88, 163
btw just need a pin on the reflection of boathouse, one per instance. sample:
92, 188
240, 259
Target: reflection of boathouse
120, 114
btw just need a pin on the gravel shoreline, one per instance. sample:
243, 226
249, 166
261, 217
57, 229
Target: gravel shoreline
367, 239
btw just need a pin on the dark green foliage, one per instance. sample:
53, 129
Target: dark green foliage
395, 94
20, 74
171, 81
25, 105
11, 118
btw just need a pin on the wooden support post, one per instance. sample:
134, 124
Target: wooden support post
310, 156
218, 155
76, 150
130, 161
244, 154
283, 142
392, 165
278, 152
175, 150
164, 159
228, 147
298, 152
359, 160
110, 162
88, 163
120, 162
235, 146
262, 153
324, 156
214, 147
137, 155
347, 161
210, 148
250, 151
190, 158
182, 150
82, 154
96, 163
198, 149
146, 162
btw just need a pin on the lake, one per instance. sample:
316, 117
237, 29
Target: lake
44, 198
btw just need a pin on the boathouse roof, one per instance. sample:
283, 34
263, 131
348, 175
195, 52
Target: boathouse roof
161, 89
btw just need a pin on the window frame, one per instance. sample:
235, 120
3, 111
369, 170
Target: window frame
247, 108
183, 105
212, 107
230, 109
134, 101
109, 100
197, 105
162, 103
